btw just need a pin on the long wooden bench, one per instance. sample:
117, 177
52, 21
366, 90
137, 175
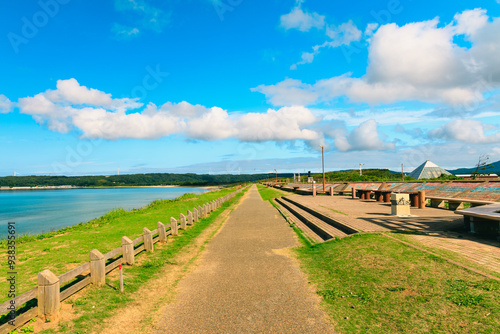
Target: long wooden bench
454, 203
484, 220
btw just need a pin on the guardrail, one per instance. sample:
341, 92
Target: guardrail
52, 289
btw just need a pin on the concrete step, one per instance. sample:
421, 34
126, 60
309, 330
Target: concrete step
338, 223
298, 223
318, 226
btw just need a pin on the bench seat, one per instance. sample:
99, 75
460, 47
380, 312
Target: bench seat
484, 220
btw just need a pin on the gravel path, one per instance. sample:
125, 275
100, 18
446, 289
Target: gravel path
244, 282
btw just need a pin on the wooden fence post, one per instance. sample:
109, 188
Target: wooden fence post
97, 268
195, 215
128, 251
190, 218
49, 295
162, 234
148, 239
183, 222
173, 226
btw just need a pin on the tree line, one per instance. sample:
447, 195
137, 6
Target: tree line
152, 179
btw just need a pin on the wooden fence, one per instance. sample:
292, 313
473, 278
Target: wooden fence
48, 294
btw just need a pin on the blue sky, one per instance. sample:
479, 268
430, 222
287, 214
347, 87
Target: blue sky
228, 86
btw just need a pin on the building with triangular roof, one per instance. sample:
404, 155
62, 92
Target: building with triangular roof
428, 170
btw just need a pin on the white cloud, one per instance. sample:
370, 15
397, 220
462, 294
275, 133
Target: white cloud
303, 21
5, 104
95, 114
288, 123
344, 34
467, 131
124, 32
57, 107
418, 61
470, 21
100, 123
365, 137
370, 29
288, 92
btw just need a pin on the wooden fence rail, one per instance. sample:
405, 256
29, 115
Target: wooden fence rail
93, 272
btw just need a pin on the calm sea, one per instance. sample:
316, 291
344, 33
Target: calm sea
39, 211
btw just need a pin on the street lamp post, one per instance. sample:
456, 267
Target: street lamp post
402, 173
360, 171
276, 176
323, 161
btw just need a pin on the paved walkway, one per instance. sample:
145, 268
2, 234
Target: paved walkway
243, 284
483, 252
371, 216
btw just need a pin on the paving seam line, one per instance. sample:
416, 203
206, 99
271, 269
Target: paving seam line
444, 258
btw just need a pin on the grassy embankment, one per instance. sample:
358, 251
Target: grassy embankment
372, 284
68, 248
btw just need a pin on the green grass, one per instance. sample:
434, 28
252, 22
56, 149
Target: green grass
270, 193
67, 248
372, 284
97, 304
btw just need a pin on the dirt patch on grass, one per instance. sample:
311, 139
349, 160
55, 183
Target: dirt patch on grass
66, 314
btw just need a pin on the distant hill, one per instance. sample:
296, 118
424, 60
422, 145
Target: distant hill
134, 180
495, 169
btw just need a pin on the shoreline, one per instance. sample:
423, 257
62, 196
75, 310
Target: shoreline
50, 233
120, 187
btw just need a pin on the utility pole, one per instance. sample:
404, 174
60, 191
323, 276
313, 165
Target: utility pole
323, 161
360, 171
402, 173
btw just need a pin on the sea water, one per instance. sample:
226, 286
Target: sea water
40, 211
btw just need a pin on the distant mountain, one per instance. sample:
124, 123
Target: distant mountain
495, 169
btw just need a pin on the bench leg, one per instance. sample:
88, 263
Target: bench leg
455, 205
414, 200
437, 203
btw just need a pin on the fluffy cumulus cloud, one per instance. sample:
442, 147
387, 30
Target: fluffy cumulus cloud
5, 104
417, 61
301, 20
96, 114
289, 92
467, 131
57, 108
365, 137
